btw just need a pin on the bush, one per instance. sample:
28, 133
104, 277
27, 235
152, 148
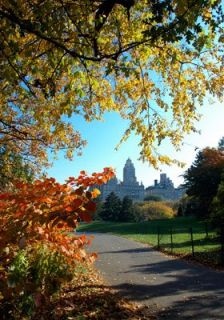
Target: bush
37, 252
153, 210
34, 275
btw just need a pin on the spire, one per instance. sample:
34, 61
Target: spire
129, 173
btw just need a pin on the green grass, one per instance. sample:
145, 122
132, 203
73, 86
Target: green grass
206, 247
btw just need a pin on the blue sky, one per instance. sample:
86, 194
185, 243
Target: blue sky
102, 138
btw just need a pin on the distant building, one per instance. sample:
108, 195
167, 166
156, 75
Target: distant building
133, 189
164, 189
129, 187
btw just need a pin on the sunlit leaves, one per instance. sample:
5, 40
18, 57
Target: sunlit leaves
44, 212
153, 62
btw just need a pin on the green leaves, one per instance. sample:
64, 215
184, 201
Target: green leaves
203, 178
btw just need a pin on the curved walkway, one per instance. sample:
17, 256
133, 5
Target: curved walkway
173, 287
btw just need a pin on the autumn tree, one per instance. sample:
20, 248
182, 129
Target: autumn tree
151, 61
203, 178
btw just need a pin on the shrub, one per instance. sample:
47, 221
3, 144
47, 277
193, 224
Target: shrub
153, 210
34, 275
36, 249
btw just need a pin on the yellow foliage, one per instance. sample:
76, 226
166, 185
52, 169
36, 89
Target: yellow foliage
152, 210
61, 58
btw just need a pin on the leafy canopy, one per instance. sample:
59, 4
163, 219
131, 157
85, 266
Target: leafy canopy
13, 167
151, 61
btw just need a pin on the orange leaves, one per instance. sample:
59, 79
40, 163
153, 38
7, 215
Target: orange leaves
45, 213
46, 210
90, 206
46, 200
77, 203
84, 216
96, 178
4, 196
40, 230
71, 223
93, 256
79, 191
18, 214
69, 209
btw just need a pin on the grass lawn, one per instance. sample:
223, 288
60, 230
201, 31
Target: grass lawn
206, 246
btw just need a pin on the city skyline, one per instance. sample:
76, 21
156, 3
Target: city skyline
128, 176
130, 186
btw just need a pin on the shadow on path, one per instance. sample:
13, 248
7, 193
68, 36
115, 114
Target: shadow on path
174, 287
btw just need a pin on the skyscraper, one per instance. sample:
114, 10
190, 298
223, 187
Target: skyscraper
129, 187
129, 177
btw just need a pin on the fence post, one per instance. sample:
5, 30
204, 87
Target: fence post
158, 237
192, 241
206, 229
171, 239
222, 244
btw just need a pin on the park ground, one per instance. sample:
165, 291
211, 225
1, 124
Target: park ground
161, 287
169, 286
88, 298
158, 233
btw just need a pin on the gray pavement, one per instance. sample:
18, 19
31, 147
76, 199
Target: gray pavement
174, 288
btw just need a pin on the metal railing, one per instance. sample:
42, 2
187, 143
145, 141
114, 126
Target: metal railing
204, 245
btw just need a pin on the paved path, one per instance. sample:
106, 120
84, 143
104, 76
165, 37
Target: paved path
175, 288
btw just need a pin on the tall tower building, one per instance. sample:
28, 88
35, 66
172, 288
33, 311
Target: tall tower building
129, 187
129, 177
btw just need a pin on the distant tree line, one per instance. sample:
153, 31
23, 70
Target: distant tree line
114, 209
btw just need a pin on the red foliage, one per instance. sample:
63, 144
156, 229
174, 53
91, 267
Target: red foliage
46, 211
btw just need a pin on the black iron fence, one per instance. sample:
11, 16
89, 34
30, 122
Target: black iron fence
203, 244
